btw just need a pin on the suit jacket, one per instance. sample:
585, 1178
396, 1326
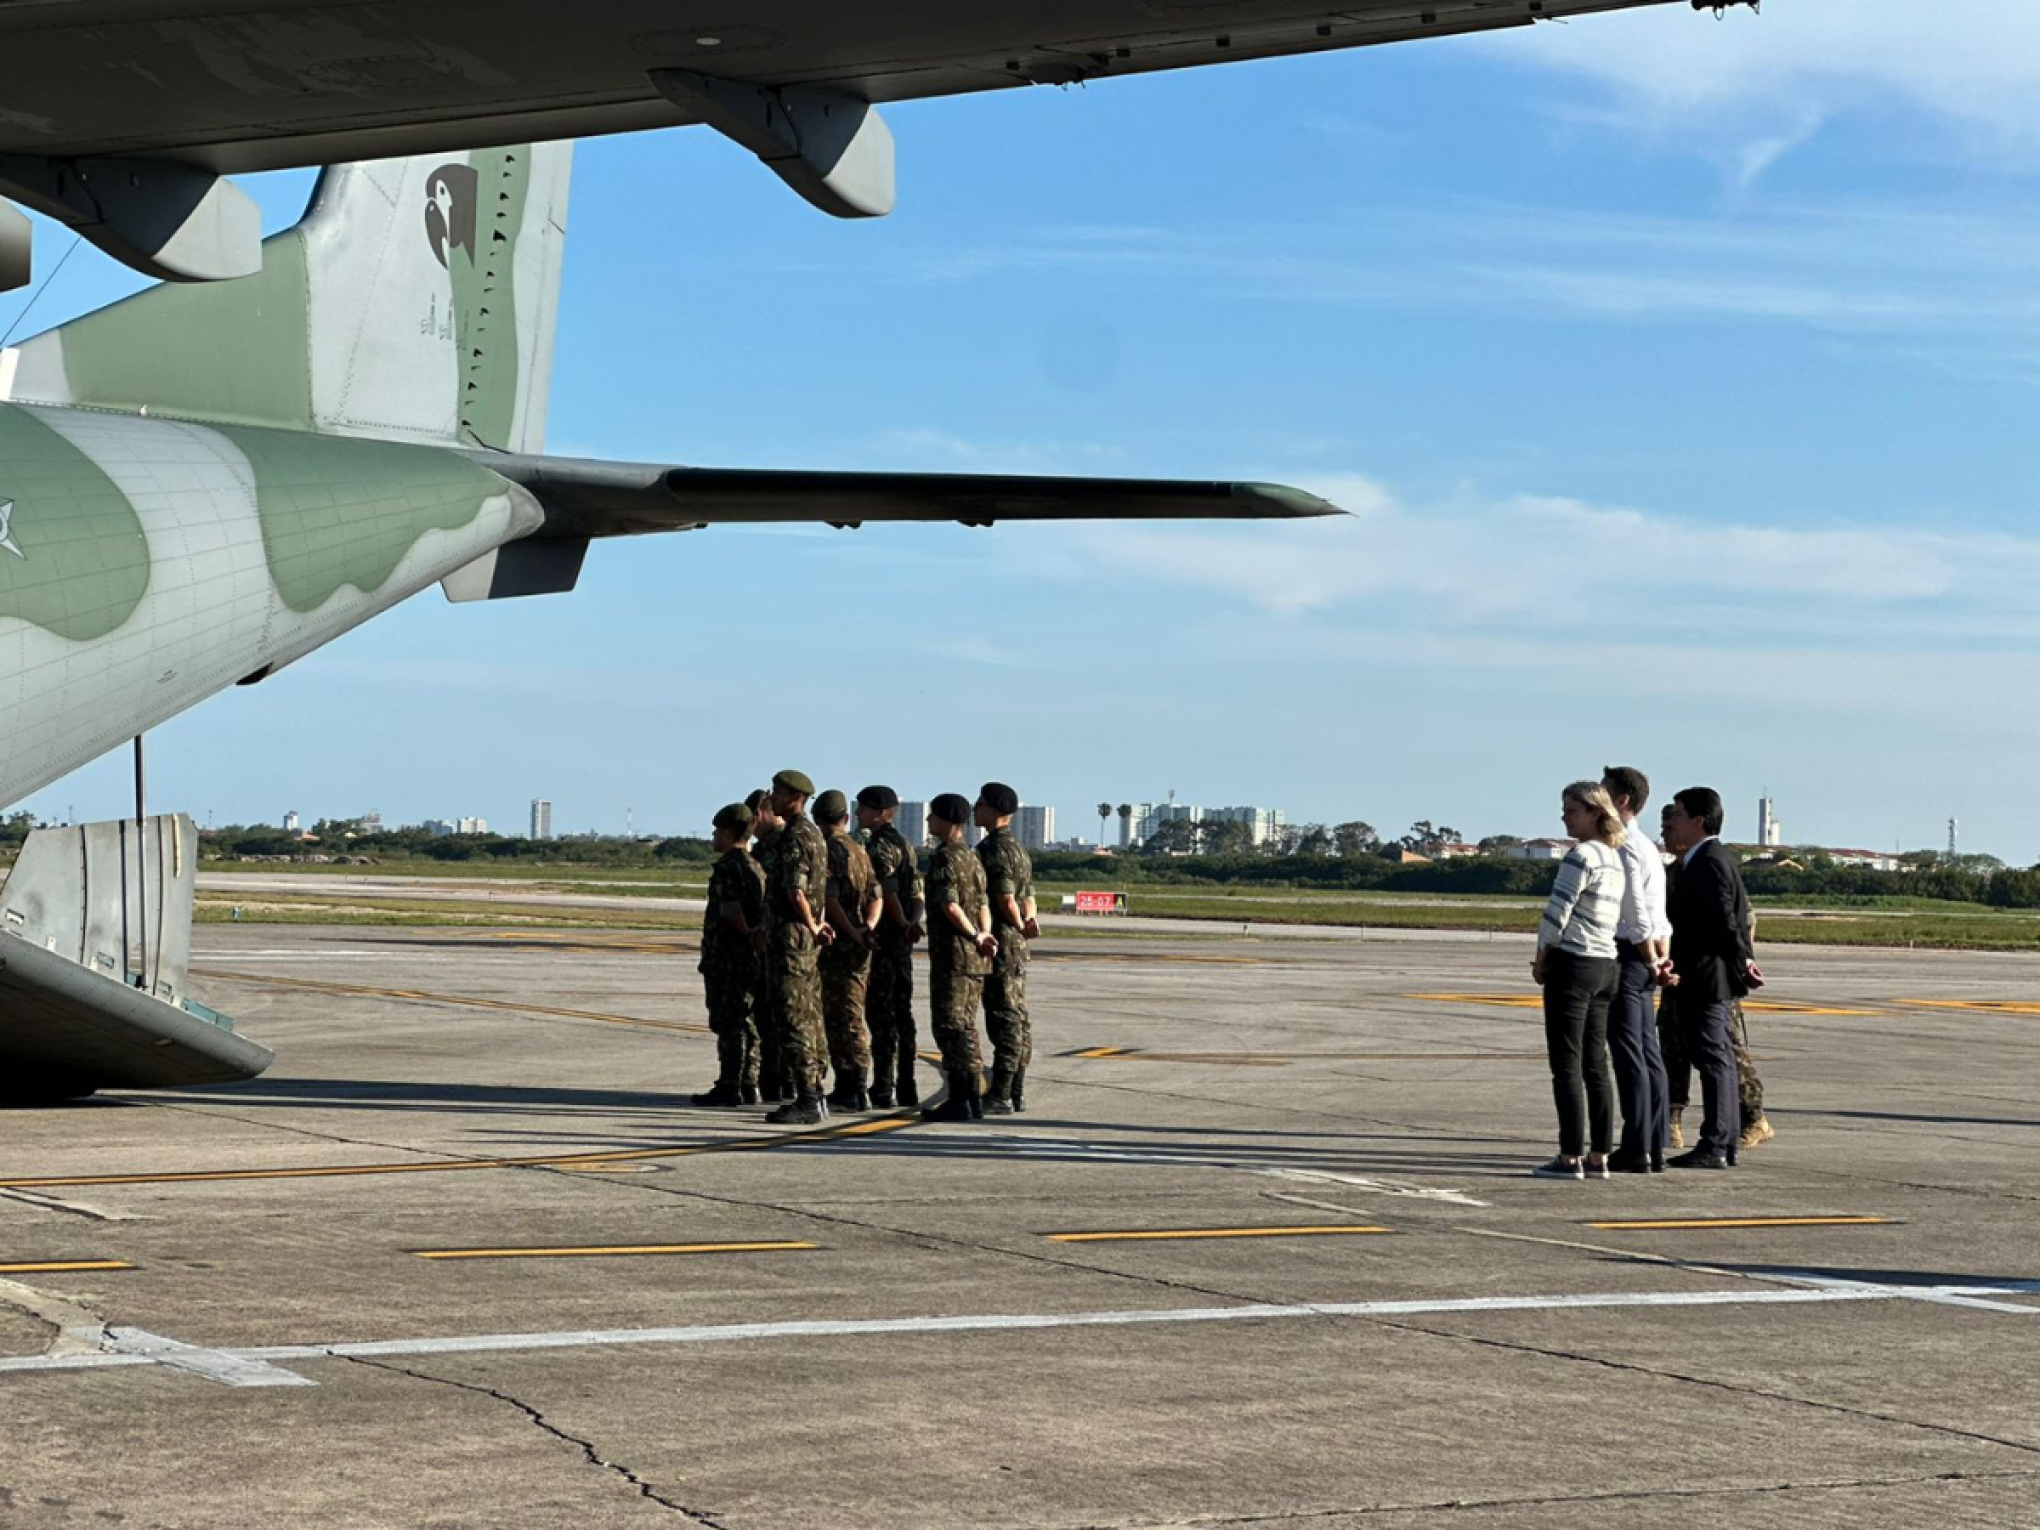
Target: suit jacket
1711, 923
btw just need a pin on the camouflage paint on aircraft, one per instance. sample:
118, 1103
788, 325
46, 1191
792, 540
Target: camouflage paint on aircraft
205, 483
80, 563
415, 302
474, 219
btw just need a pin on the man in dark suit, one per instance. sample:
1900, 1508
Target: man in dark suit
1713, 965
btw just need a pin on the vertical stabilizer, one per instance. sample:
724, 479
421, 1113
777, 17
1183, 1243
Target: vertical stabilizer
416, 301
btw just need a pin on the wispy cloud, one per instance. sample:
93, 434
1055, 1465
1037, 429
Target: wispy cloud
1554, 569
1727, 90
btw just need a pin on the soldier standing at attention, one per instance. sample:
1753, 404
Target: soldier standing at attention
796, 881
771, 1066
890, 1010
1009, 884
729, 959
854, 909
960, 947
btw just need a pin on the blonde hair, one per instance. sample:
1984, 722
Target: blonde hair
1607, 822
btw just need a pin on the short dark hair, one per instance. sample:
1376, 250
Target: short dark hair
1703, 803
1627, 781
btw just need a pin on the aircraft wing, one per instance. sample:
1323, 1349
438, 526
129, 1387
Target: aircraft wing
267, 84
612, 499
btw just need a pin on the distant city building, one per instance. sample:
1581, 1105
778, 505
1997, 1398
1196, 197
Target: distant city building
1150, 816
1035, 826
1770, 833
1264, 824
1453, 852
1866, 860
471, 826
292, 824
439, 827
371, 822
912, 822
1539, 850
541, 818
973, 835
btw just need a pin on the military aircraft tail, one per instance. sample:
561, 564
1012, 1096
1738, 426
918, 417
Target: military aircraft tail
415, 301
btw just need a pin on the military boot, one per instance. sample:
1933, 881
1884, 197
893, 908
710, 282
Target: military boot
954, 1106
998, 1099
849, 1093
724, 1093
750, 1095
909, 1092
1018, 1093
804, 1109
973, 1096
882, 1097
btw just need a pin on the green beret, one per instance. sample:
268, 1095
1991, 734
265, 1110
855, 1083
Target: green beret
794, 781
831, 807
736, 818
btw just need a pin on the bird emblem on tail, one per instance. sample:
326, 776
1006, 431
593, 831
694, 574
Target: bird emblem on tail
7, 529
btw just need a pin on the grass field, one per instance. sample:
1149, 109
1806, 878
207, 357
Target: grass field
1905, 922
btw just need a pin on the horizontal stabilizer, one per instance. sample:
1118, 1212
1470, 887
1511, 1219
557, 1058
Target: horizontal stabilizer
611, 499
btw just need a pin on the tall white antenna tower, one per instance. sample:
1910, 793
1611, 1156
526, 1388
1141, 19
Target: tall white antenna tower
1951, 839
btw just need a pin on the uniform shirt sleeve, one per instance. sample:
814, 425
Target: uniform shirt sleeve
998, 867
942, 889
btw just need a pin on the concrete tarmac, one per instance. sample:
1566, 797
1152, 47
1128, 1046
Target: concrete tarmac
1264, 1250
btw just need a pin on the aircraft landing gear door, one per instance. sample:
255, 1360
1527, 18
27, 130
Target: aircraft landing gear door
833, 149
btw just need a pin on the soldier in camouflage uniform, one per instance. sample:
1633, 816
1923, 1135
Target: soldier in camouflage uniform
729, 959
890, 1009
771, 1065
1009, 884
960, 948
796, 882
854, 907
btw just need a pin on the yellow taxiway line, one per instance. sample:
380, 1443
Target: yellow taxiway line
609, 1251
1976, 1006
1709, 1223
1536, 1001
579, 1161
63, 1266
1208, 1232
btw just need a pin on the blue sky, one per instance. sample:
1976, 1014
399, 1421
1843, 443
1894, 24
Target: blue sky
1679, 374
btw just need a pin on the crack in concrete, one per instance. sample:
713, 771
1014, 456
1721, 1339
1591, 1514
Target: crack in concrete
545, 1425
1626, 1495
77, 1329
1740, 1390
43, 1201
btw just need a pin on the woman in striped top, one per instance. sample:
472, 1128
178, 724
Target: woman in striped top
1577, 967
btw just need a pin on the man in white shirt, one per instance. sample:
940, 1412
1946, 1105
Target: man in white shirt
1643, 937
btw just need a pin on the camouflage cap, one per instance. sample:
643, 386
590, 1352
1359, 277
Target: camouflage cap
878, 798
999, 797
794, 781
831, 807
736, 818
950, 807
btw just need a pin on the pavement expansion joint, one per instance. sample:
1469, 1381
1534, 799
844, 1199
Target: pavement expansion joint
539, 1421
1667, 1496
1579, 1357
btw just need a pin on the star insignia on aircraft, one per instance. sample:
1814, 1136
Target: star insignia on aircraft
7, 529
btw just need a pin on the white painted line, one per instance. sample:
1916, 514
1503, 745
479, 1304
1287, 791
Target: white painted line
1250, 1312
230, 1368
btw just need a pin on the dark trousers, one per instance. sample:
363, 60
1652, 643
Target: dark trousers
1640, 1080
1578, 993
1710, 1043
